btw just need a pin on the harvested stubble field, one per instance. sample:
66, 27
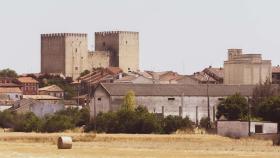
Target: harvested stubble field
32, 145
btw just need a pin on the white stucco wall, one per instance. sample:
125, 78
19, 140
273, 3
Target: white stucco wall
157, 104
240, 128
43, 109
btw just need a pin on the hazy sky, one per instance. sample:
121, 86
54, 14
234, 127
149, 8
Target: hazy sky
179, 35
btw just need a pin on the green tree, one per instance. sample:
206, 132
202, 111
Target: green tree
269, 109
261, 93
129, 102
8, 73
233, 107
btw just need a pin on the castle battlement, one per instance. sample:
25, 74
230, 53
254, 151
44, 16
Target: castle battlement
116, 33
63, 35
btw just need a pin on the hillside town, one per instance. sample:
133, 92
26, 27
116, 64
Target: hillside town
73, 77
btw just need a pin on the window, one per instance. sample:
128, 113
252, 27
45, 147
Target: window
221, 99
104, 44
76, 68
16, 96
76, 50
125, 42
258, 128
171, 99
99, 99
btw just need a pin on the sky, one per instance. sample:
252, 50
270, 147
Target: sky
179, 35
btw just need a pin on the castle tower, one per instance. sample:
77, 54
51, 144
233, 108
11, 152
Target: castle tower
64, 53
124, 48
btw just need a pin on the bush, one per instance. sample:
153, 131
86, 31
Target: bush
78, 117
7, 119
173, 123
204, 122
28, 122
126, 121
58, 123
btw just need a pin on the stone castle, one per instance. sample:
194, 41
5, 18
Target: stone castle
68, 53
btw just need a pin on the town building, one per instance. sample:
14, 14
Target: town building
68, 53
98, 75
276, 74
14, 93
167, 99
238, 129
38, 107
5, 102
246, 68
29, 85
52, 90
44, 98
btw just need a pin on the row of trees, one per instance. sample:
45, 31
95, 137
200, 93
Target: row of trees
58, 122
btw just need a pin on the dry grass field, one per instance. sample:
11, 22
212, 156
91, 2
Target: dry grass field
31, 145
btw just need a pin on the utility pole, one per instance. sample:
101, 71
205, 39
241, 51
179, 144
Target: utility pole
196, 115
249, 116
208, 104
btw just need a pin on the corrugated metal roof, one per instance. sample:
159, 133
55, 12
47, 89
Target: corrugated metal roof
120, 89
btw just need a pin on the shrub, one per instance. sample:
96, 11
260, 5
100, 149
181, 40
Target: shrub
28, 122
7, 119
173, 123
126, 121
58, 123
78, 117
204, 122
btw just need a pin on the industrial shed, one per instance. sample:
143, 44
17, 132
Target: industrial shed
166, 99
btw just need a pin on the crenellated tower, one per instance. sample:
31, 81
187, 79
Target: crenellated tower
124, 48
64, 53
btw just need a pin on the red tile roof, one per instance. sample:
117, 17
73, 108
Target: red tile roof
27, 80
276, 69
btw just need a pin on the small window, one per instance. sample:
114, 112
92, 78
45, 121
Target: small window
171, 99
76, 68
126, 42
76, 50
258, 128
99, 99
104, 44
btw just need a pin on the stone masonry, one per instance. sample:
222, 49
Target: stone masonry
68, 53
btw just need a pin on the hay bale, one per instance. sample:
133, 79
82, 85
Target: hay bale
64, 142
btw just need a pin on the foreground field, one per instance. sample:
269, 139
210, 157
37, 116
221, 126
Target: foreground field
19, 145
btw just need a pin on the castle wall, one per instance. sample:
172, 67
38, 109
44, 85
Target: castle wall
76, 58
129, 51
108, 41
98, 59
67, 53
52, 53
124, 48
